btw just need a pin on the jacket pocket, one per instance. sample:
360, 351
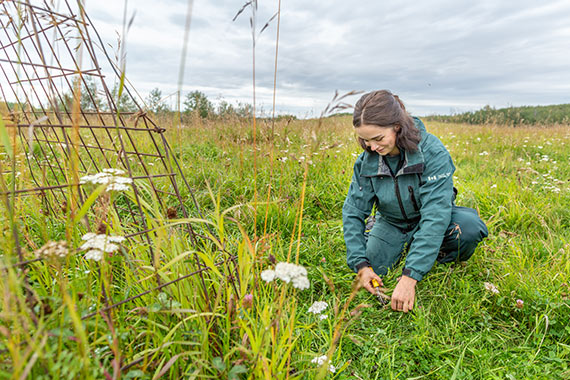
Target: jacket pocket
413, 198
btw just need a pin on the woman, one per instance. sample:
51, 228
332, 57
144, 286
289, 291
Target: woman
408, 174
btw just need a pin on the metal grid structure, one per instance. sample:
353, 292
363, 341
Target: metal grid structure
55, 100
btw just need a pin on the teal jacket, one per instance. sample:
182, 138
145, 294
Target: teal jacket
420, 196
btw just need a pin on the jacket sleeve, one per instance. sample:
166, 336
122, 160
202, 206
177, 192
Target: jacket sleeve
357, 206
436, 194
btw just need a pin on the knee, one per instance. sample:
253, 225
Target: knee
473, 232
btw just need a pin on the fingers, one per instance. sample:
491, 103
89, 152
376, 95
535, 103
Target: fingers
397, 305
378, 279
368, 286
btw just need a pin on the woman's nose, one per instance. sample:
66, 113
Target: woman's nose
373, 146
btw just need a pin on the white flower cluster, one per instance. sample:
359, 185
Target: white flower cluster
318, 307
98, 244
110, 177
322, 360
53, 249
491, 287
296, 274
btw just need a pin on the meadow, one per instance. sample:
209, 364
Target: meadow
276, 196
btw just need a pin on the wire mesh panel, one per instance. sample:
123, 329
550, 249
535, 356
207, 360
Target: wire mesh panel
73, 136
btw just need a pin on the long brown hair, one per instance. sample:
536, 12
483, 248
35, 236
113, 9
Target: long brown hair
384, 109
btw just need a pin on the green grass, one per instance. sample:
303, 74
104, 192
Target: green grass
458, 329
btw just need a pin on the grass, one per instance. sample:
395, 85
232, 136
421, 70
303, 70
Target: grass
458, 329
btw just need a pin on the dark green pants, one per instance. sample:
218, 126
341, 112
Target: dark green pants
386, 243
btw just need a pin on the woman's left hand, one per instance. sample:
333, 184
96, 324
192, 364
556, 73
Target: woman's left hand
404, 295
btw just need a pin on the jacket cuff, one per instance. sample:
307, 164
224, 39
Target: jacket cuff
412, 273
361, 265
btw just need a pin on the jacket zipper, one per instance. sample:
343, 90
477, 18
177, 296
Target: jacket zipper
411, 190
400, 199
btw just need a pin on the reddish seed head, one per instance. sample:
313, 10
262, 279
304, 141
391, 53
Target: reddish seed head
247, 301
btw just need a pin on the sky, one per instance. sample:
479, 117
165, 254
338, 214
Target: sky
439, 56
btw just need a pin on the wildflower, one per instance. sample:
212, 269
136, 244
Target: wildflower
484, 153
520, 304
319, 361
288, 272
323, 316
491, 287
98, 244
110, 177
94, 254
53, 249
318, 307
268, 275
494, 186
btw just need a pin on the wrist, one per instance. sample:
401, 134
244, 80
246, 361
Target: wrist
408, 280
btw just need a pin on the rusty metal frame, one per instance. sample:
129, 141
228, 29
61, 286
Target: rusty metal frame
36, 96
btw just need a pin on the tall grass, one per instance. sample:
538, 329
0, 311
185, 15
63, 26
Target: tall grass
263, 330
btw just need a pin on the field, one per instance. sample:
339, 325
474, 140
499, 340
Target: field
276, 196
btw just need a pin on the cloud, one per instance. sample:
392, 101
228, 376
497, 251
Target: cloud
438, 55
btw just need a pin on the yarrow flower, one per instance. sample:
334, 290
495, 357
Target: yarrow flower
318, 307
110, 177
98, 244
53, 249
290, 273
491, 287
319, 361
268, 275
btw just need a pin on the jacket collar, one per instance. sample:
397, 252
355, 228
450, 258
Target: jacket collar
374, 165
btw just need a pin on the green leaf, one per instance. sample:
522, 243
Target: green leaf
219, 364
89, 202
155, 307
235, 371
134, 373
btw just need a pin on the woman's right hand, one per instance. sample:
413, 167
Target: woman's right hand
365, 276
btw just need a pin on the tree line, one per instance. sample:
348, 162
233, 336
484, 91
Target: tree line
525, 115
94, 99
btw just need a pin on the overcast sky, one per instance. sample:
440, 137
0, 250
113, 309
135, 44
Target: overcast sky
440, 56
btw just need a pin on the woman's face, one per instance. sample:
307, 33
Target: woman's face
381, 140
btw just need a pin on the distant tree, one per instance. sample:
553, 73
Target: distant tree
65, 102
125, 104
244, 110
90, 99
155, 102
197, 101
225, 109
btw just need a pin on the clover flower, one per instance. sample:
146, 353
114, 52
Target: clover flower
110, 177
491, 287
289, 273
520, 304
319, 361
98, 244
53, 249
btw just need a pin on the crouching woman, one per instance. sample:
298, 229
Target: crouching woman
408, 174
